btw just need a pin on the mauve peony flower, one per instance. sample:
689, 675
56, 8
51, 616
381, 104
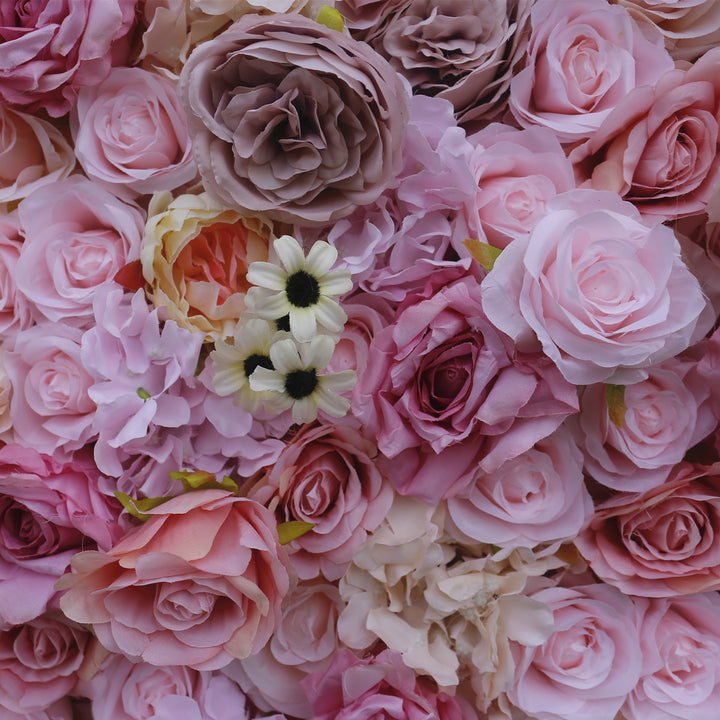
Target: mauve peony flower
602, 293
293, 120
200, 583
53, 48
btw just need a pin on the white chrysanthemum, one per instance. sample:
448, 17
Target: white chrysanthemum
302, 291
234, 364
297, 381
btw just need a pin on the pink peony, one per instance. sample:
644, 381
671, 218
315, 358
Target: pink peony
200, 583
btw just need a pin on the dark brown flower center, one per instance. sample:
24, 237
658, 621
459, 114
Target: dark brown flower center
302, 289
301, 383
256, 360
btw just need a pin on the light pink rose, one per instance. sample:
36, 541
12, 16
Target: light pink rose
658, 147
199, 583
537, 497
326, 475
680, 641
77, 236
663, 542
52, 48
517, 172
130, 132
583, 57
15, 309
588, 665
602, 293
32, 153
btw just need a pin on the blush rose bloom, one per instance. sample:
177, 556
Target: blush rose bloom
15, 308
130, 133
588, 665
293, 120
663, 542
200, 583
602, 293
583, 57
51, 49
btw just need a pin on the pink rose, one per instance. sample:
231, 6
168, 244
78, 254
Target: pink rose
130, 132
52, 48
77, 236
680, 641
39, 663
663, 542
326, 475
588, 665
601, 292
583, 57
198, 584
658, 148
15, 309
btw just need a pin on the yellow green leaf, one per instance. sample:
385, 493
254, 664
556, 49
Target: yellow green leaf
292, 530
139, 508
485, 254
615, 401
331, 18
202, 480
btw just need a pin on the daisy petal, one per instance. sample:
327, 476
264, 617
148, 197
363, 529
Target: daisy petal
320, 259
339, 381
228, 380
304, 410
303, 324
266, 275
318, 353
272, 307
336, 282
290, 253
285, 357
330, 315
264, 379
332, 404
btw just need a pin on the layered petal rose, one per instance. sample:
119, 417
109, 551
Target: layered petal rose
15, 308
293, 120
601, 292
200, 583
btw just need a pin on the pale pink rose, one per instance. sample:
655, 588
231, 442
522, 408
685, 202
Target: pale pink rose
446, 393
665, 415
602, 293
517, 172
77, 236
658, 147
680, 641
52, 48
50, 407
590, 663
583, 57
305, 642
15, 309
61, 710
39, 663
663, 542
199, 583
326, 475
32, 153
130, 132
537, 497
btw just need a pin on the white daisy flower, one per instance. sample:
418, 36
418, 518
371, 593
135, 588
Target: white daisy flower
297, 381
233, 365
302, 291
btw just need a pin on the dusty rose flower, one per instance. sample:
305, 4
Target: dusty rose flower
293, 120
200, 583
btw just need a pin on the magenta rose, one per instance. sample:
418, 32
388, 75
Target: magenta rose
130, 132
588, 665
663, 542
199, 583
53, 48
293, 120
446, 393
602, 293
584, 56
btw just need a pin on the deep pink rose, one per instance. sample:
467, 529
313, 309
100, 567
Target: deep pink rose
658, 148
588, 665
583, 57
52, 48
447, 394
39, 663
199, 583
663, 542
130, 132
601, 292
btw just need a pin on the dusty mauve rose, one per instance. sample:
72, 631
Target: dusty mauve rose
293, 120
663, 542
52, 48
200, 583
130, 133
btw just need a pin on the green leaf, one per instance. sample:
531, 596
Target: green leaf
143, 393
139, 508
494, 549
292, 530
485, 254
331, 18
615, 401
202, 480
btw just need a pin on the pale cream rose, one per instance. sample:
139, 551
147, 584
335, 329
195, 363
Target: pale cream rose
195, 256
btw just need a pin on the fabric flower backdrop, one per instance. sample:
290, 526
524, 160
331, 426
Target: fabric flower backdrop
359, 359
